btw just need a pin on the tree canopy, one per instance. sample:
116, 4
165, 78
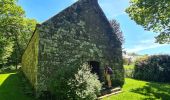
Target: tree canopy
153, 15
5, 49
15, 30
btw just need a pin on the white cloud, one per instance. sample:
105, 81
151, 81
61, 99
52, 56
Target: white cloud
142, 47
145, 45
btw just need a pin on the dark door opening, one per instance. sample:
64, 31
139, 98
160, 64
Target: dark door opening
95, 68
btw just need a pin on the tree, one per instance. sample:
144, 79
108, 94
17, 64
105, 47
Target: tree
14, 28
28, 27
116, 28
24, 35
152, 15
6, 48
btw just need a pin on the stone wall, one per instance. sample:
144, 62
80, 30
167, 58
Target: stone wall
30, 59
79, 34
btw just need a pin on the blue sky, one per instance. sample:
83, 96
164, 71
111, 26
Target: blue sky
136, 38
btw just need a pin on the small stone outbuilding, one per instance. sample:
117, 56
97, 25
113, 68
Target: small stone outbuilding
81, 33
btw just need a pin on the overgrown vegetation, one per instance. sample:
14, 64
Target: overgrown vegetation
153, 68
7, 69
129, 70
75, 83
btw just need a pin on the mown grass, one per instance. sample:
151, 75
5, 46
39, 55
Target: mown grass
11, 87
128, 67
142, 90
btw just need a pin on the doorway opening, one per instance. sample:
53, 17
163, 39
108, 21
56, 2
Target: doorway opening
95, 68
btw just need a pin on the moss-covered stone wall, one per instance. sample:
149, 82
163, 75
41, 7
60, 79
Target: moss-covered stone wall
30, 59
79, 34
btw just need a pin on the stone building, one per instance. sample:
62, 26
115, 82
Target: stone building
81, 33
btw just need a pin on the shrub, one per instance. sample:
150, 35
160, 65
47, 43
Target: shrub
125, 61
8, 69
153, 68
80, 86
141, 58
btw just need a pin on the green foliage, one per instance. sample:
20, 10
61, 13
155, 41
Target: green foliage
141, 58
76, 83
118, 77
6, 48
28, 27
154, 68
129, 66
23, 37
7, 69
15, 30
11, 18
125, 61
152, 15
129, 70
85, 85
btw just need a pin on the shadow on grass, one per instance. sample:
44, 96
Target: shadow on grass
11, 89
154, 91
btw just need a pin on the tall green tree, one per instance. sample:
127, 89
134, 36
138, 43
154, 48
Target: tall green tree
6, 48
15, 28
24, 35
153, 15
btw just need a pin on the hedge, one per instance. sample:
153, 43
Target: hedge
154, 68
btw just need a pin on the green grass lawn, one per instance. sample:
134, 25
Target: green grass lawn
141, 90
11, 87
129, 66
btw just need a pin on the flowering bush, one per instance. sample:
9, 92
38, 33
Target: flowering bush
81, 85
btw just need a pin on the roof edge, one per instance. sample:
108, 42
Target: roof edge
88, 0
36, 27
93, 2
